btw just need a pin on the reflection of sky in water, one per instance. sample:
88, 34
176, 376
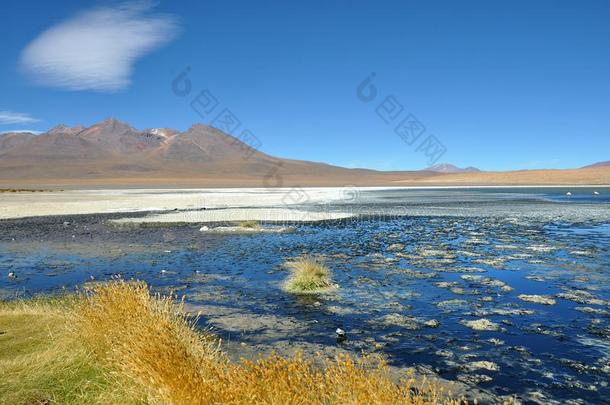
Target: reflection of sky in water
395, 275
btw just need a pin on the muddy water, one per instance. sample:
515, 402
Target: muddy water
508, 290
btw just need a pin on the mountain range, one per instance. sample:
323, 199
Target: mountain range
112, 152
598, 164
449, 168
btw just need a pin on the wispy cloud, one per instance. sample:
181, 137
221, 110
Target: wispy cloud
31, 131
96, 50
10, 117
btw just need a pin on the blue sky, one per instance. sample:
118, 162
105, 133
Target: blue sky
502, 85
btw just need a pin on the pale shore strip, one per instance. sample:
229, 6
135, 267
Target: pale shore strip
276, 215
79, 202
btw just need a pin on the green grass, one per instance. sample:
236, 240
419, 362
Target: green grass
308, 275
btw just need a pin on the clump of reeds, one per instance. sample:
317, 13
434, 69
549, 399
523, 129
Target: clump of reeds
308, 275
250, 224
148, 340
139, 348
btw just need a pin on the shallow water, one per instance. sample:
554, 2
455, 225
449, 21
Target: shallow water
448, 255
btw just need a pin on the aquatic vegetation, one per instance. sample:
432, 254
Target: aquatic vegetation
503, 311
418, 274
249, 224
537, 299
481, 324
474, 378
308, 275
396, 247
119, 344
591, 310
582, 297
404, 321
482, 365
454, 303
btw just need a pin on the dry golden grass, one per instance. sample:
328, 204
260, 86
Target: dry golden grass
250, 224
42, 361
308, 275
143, 349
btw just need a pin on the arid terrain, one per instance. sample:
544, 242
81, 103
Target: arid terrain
114, 154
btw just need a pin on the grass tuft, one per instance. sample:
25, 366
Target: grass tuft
250, 224
118, 343
308, 275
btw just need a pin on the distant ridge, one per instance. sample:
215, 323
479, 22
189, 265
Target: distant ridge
114, 150
598, 164
11, 139
113, 153
449, 168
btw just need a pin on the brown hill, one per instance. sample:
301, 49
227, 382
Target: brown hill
449, 168
112, 153
598, 164
12, 139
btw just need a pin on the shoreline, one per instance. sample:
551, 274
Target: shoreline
163, 200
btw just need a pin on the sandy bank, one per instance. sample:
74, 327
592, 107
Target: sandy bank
281, 215
75, 202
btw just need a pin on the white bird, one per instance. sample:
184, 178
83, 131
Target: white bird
596, 193
340, 333
569, 194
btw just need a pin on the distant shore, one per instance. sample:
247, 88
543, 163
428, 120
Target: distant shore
194, 177
250, 200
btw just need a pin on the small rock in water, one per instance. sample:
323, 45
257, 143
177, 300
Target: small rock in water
432, 323
537, 299
340, 334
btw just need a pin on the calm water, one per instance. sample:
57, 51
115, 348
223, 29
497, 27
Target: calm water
450, 256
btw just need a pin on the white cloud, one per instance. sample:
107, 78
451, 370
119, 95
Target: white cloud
96, 50
10, 117
31, 131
